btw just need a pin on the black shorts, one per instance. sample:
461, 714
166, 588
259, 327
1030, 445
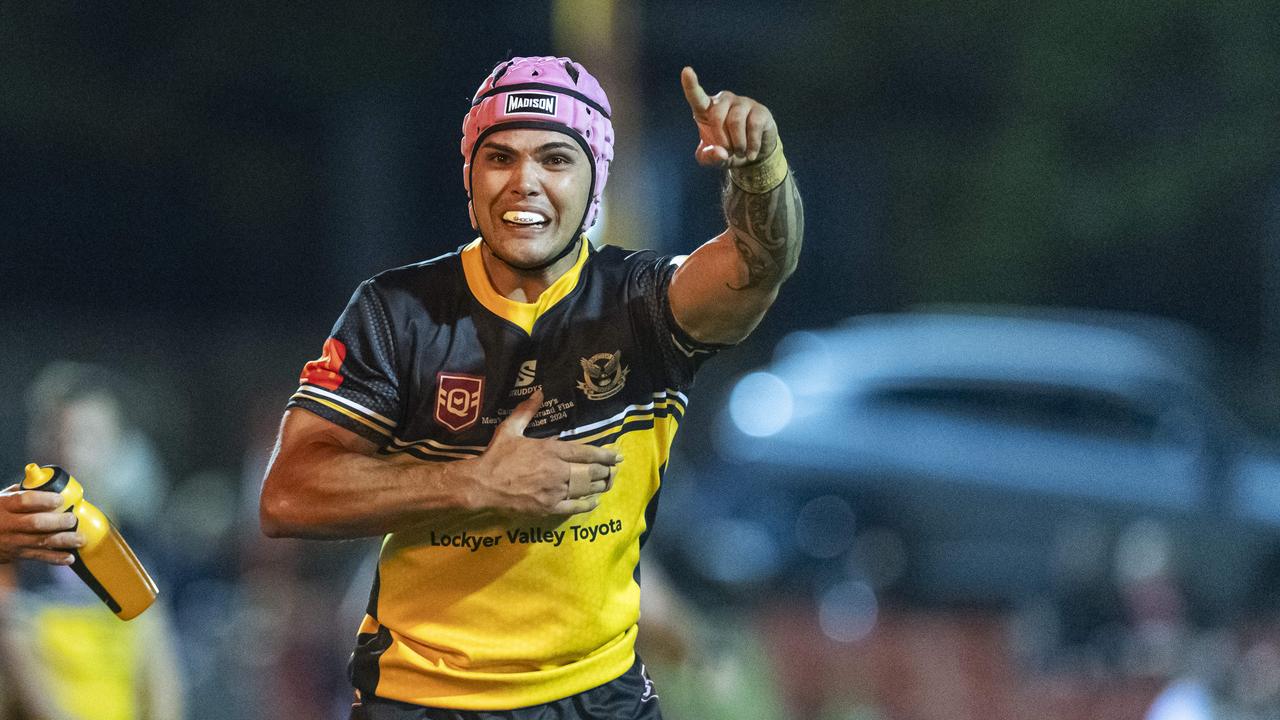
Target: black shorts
629, 697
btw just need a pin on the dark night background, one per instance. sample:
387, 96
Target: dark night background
189, 192
195, 190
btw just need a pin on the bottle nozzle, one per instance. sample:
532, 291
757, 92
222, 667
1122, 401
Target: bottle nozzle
36, 476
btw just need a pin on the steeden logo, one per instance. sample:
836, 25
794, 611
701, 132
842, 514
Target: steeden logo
458, 400
531, 103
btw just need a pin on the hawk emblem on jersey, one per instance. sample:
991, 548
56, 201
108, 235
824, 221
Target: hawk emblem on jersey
603, 375
326, 370
458, 400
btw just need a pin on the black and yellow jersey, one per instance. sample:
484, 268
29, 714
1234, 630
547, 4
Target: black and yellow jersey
486, 612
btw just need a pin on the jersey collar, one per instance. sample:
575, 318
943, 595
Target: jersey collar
521, 314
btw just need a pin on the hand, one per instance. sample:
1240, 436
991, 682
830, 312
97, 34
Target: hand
528, 476
29, 529
732, 130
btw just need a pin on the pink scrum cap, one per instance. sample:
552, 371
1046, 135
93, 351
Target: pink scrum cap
545, 93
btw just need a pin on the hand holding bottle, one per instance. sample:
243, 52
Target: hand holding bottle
104, 560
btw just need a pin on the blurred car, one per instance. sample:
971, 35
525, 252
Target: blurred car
976, 441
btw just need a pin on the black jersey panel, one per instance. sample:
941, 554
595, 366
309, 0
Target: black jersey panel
679, 354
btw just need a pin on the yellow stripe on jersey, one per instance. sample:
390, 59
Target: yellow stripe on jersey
656, 412
309, 389
338, 408
522, 314
427, 446
663, 402
398, 444
425, 450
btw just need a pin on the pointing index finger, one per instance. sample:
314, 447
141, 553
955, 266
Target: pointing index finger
693, 92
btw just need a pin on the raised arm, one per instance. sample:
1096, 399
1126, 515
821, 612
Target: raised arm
326, 482
723, 289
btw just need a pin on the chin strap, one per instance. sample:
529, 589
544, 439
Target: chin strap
568, 248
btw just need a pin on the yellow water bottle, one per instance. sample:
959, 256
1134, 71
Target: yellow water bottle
106, 563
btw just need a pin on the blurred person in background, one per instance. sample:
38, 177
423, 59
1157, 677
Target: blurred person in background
712, 666
1157, 607
1234, 674
507, 578
293, 594
66, 656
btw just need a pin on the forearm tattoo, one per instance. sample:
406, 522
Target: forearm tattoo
767, 231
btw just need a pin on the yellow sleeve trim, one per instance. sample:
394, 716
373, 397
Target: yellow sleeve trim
344, 411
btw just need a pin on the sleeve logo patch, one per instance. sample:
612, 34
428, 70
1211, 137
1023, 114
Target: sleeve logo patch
531, 103
458, 400
326, 370
603, 375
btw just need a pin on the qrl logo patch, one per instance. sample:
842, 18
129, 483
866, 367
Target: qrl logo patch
458, 400
531, 103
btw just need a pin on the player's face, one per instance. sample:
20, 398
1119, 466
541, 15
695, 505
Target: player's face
529, 189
